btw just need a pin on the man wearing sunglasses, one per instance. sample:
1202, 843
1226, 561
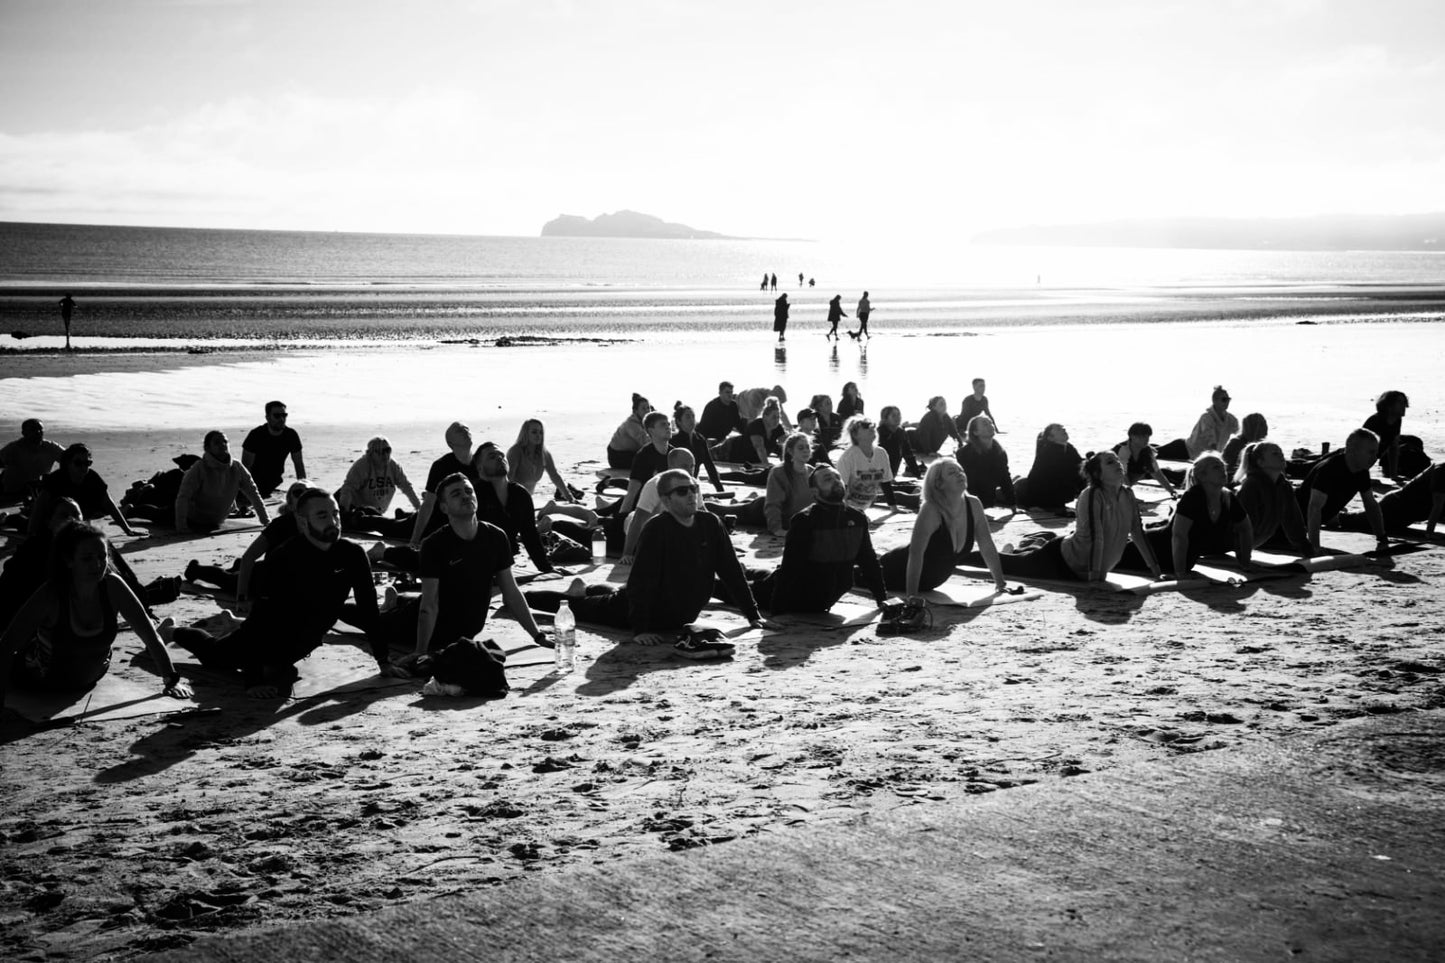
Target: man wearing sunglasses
371, 484
680, 553
264, 451
74, 478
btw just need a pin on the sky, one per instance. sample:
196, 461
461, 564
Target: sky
830, 120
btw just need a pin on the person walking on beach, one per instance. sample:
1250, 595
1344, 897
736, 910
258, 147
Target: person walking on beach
67, 308
773, 281
780, 316
835, 314
264, 451
764, 285
864, 309
800, 279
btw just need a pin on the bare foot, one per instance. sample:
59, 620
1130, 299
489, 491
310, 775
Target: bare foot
389, 598
166, 629
576, 590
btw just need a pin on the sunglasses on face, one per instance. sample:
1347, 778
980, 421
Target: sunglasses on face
278, 414
682, 490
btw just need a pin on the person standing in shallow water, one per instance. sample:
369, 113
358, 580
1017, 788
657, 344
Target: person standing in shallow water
773, 281
864, 309
67, 308
780, 316
835, 314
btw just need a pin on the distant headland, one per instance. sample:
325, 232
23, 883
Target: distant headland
1341, 232
625, 224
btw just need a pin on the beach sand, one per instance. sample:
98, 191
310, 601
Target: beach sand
132, 833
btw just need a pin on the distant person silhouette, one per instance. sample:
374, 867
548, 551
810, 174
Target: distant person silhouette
764, 285
811, 282
780, 316
800, 279
835, 314
864, 309
67, 308
773, 280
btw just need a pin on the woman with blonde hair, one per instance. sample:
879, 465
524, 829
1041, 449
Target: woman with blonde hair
950, 523
528, 460
1209, 520
1268, 498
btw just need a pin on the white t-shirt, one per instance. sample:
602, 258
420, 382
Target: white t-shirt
863, 476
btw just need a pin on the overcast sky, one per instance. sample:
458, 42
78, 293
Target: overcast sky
818, 119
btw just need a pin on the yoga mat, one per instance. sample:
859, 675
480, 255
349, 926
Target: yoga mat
111, 699
973, 595
1116, 582
845, 612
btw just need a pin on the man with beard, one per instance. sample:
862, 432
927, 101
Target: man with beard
208, 488
307, 582
825, 543
508, 505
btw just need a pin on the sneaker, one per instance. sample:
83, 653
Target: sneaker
703, 645
914, 618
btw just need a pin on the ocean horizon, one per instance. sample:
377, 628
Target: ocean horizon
169, 287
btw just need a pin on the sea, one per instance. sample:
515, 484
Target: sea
176, 289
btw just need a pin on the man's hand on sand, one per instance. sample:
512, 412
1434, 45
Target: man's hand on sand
624, 561
651, 638
178, 690
768, 624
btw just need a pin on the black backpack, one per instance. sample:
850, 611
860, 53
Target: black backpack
478, 667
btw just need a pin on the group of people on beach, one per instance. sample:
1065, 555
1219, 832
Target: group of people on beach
782, 309
821, 471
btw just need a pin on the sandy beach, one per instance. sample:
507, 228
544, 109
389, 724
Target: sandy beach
129, 833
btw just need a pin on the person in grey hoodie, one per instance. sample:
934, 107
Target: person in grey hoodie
209, 487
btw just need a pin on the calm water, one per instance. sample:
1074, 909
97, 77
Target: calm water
183, 285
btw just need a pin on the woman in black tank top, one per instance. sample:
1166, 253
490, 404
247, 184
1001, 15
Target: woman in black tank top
950, 522
61, 638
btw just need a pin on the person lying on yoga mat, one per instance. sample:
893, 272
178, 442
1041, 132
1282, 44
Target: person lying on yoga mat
950, 521
986, 463
686, 435
763, 437
1335, 480
277, 532
1139, 460
370, 487
1209, 520
1108, 520
893, 439
1269, 499
650, 459
61, 638
826, 542
788, 491
1421, 499
1054, 479
530, 459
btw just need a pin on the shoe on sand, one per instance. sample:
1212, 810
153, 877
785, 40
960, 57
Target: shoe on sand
703, 643
193, 567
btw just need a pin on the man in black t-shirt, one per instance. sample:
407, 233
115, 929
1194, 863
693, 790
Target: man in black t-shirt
459, 564
308, 581
264, 451
459, 459
1335, 480
508, 506
650, 458
720, 417
1421, 499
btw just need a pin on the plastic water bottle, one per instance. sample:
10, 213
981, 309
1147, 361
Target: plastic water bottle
599, 545
565, 637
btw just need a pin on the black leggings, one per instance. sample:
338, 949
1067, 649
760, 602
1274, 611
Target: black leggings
602, 605
620, 459
1045, 561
